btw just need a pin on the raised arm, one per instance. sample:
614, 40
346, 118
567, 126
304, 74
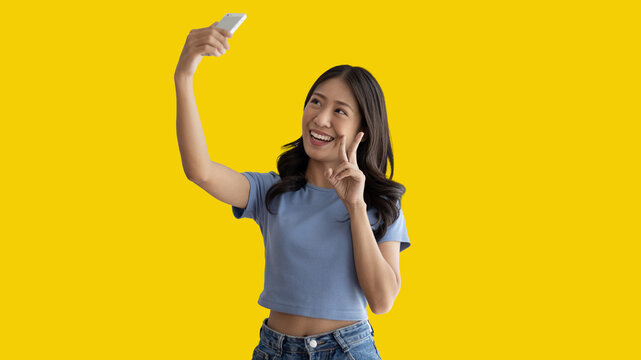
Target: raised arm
223, 183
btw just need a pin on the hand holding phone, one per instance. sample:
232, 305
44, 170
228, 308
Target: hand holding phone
231, 21
208, 41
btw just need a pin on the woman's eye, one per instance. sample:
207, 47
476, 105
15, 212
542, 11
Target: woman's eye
345, 113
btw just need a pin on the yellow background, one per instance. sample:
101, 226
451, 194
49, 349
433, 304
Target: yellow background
514, 127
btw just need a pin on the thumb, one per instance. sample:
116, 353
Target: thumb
328, 172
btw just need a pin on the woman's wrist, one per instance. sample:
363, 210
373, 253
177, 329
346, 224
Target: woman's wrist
355, 207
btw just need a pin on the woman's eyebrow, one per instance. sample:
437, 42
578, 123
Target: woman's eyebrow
340, 102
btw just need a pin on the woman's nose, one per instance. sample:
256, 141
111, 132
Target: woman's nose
323, 119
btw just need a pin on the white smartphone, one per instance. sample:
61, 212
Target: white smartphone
231, 21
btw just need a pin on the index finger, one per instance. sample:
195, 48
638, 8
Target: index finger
224, 32
354, 147
343, 153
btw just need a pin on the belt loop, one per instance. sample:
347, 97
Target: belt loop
262, 330
340, 341
279, 346
279, 342
371, 328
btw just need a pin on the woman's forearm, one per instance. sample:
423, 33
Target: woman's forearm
375, 275
191, 138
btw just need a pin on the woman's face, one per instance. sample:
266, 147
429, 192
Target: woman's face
333, 111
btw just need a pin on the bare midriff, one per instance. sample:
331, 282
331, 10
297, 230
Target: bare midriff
296, 325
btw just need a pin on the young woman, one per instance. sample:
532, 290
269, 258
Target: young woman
331, 220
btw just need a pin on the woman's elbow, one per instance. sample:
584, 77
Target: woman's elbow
384, 303
381, 308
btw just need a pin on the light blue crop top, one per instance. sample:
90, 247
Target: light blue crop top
309, 258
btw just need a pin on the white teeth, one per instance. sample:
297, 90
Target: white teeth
321, 137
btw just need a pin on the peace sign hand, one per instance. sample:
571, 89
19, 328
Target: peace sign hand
347, 179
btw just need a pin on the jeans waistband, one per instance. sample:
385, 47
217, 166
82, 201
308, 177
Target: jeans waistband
342, 337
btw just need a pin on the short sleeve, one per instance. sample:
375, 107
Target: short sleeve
397, 231
259, 184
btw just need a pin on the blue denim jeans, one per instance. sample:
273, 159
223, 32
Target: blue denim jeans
353, 342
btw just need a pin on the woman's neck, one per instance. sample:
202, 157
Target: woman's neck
315, 173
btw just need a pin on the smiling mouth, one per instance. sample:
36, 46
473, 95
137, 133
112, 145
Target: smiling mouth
319, 137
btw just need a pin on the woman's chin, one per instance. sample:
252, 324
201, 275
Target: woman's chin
318, 154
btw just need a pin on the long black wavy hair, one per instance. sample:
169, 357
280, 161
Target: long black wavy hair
380, 193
